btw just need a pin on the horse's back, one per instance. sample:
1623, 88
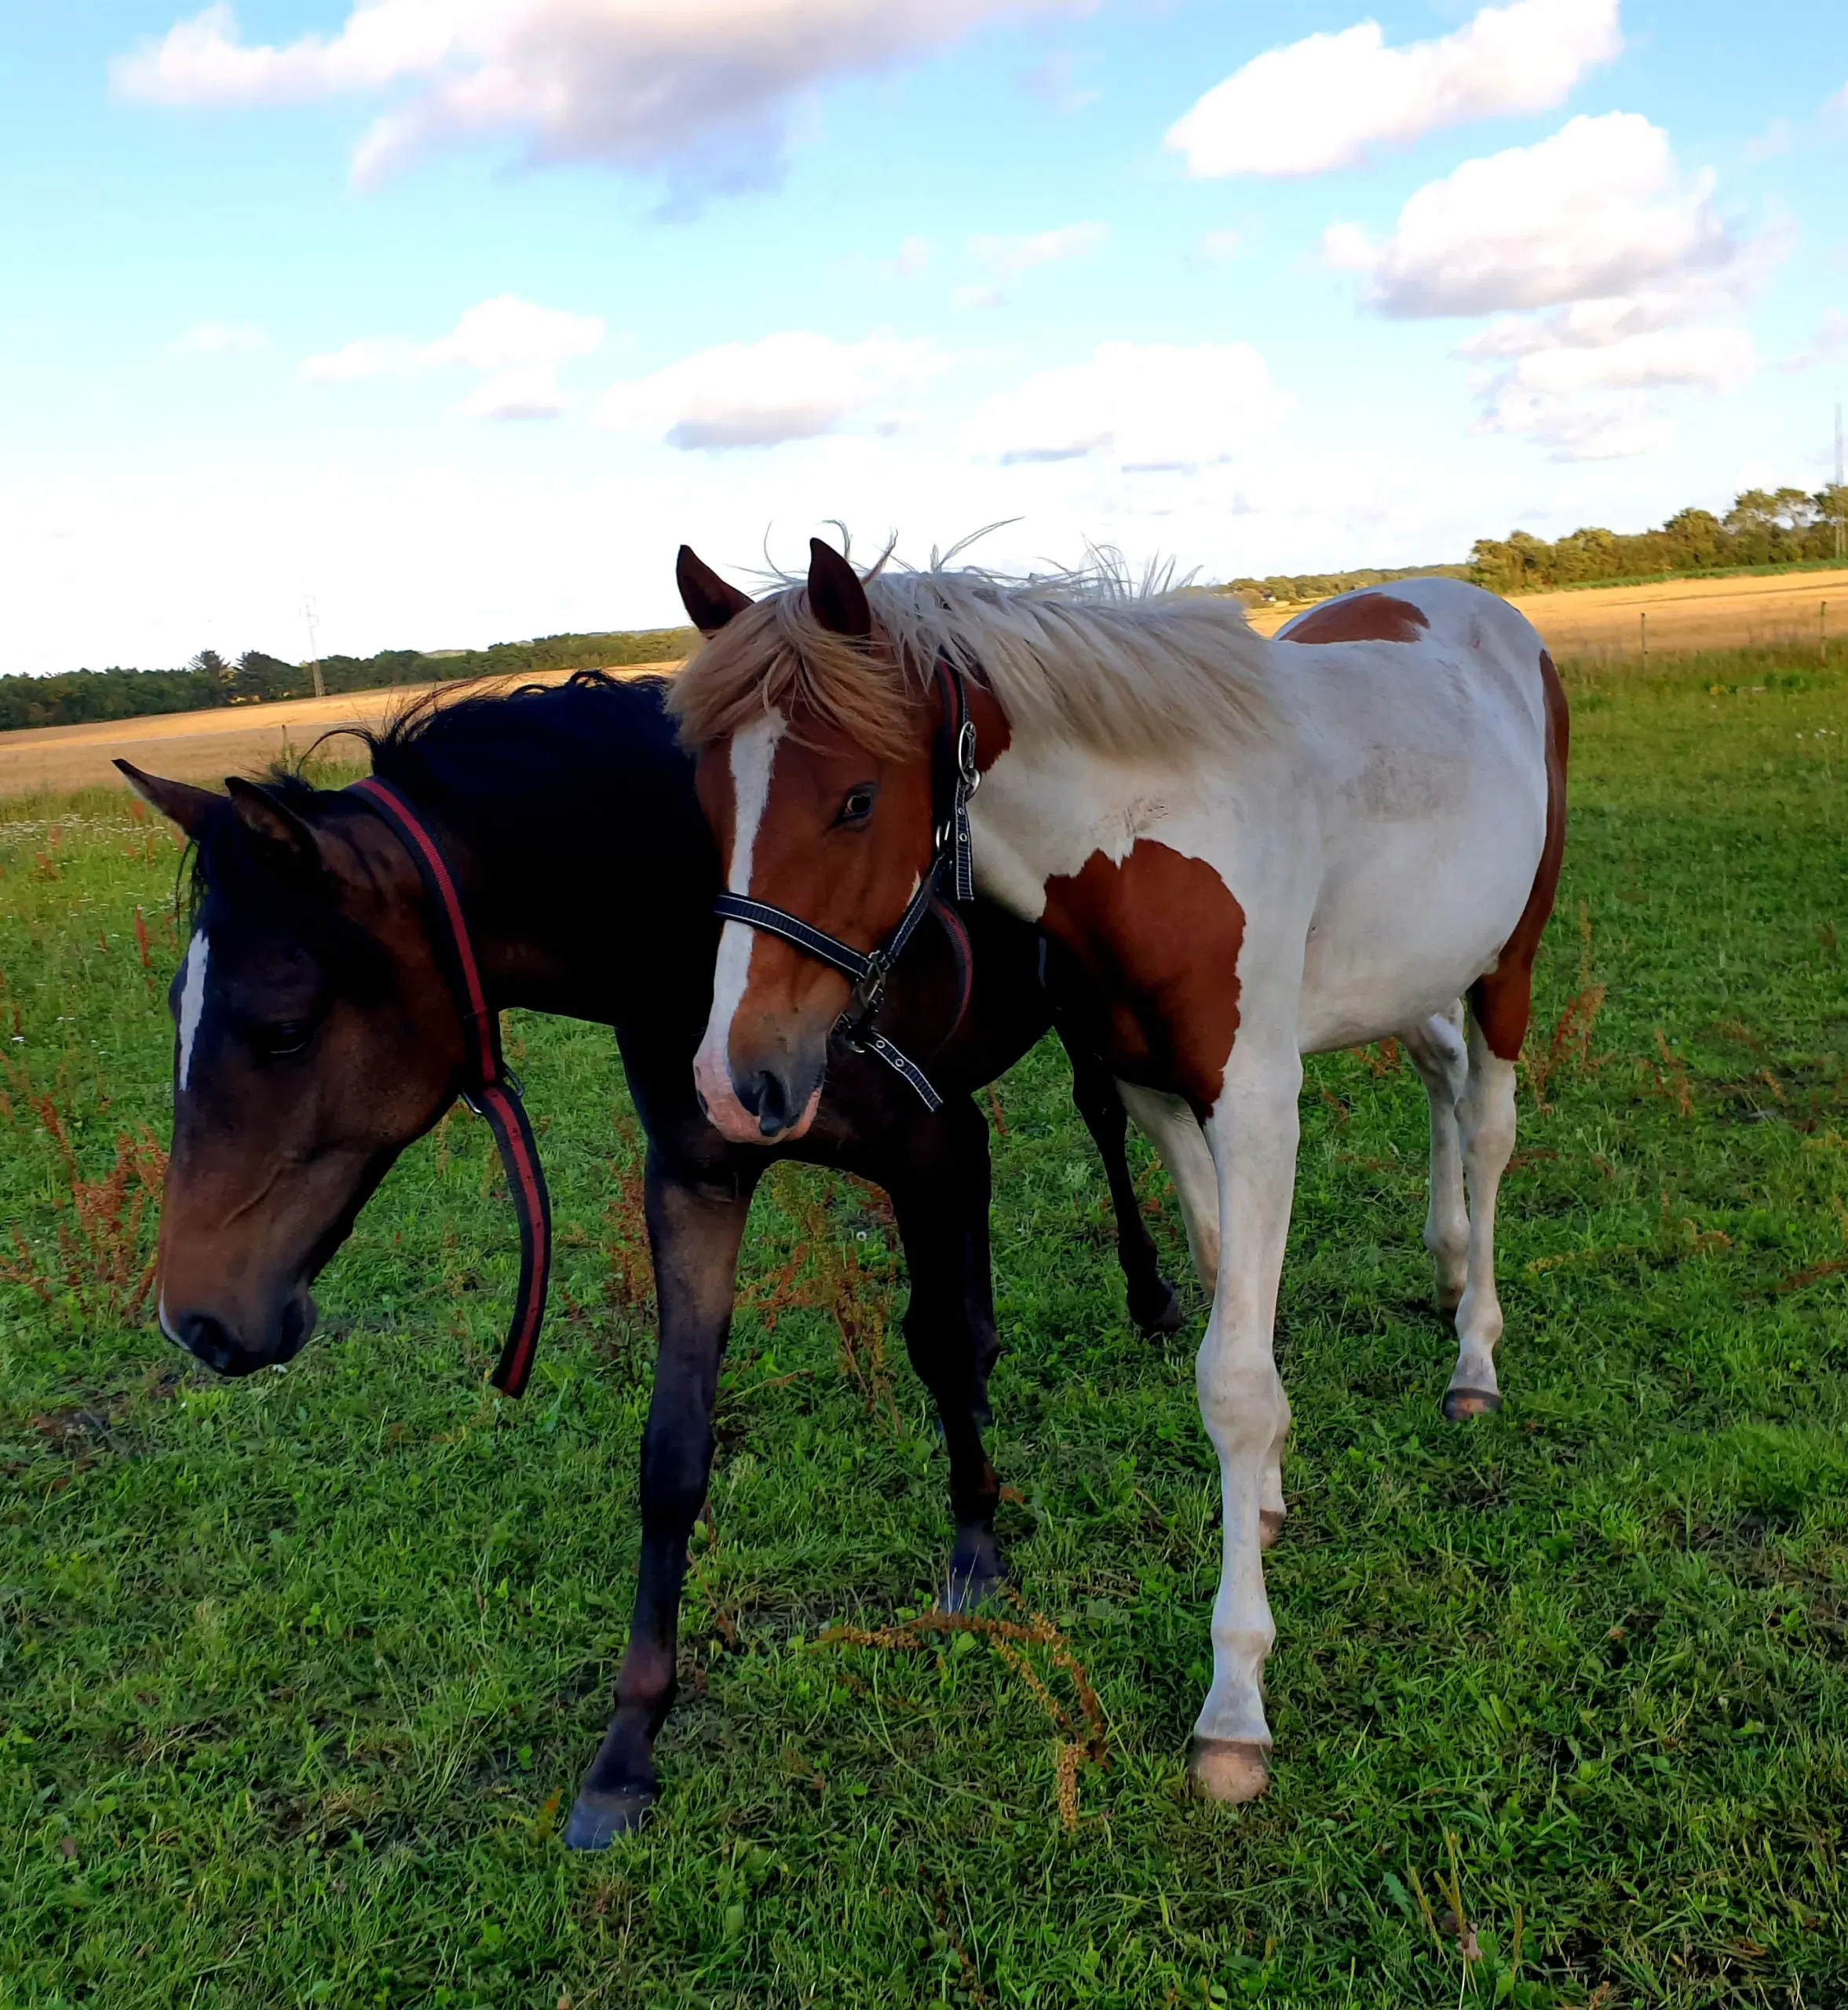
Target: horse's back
1424, 709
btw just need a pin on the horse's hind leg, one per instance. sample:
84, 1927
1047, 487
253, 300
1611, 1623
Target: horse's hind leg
938, 1180
1152, 1304
694, 1232
1488, 1116
1438, 1051
1172, 1128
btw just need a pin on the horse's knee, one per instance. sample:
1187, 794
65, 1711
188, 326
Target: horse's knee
1242, 1407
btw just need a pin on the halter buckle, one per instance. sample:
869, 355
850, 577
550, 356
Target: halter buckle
965, 767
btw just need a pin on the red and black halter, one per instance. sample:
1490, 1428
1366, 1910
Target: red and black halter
954, 779
489, 1088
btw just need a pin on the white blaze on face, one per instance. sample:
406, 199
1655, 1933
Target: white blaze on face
753, 754
192, 999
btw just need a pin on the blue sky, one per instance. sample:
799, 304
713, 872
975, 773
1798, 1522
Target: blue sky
458, 315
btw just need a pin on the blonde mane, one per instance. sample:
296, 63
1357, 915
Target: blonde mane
1133, 668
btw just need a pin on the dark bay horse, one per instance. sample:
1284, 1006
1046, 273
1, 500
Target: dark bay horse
317, 1036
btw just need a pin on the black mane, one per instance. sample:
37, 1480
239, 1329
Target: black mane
565, 795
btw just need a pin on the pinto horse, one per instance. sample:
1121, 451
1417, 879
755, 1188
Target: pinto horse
317, 1036
1252, 850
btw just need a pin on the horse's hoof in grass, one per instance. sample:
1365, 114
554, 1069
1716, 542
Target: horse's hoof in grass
598, 1818
971, 1585
1158, 1313
1270, 1525
1229, 1769
1461, 1403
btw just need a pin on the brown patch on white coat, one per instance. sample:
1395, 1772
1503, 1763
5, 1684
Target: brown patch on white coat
1361, 617
1158, 934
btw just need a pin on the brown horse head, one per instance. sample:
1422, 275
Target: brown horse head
813, 734
314, 1040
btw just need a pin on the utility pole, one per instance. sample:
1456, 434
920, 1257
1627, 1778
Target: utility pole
314, 648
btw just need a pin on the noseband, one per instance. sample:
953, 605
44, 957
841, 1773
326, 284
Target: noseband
954, 778
489, 1087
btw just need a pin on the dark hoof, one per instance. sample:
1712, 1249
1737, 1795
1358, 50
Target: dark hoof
971, 1585
1157, 1314
599, 1818
1461, 1403
1270, 1525
1229, 1769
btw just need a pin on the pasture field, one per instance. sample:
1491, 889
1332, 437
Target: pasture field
297, 1674
1771, 610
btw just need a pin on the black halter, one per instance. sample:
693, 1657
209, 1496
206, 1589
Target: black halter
954, 779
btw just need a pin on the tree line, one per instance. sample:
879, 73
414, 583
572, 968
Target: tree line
1764, 527
75, 697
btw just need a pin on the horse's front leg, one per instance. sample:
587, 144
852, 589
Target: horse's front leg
694, 1232
940, 1197
1252, 1129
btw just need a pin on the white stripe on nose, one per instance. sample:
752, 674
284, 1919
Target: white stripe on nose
753, 754
192, 999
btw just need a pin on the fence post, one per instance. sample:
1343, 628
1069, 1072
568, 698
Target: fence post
1822, 633
1644, 620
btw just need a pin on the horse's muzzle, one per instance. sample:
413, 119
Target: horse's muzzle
209, 1340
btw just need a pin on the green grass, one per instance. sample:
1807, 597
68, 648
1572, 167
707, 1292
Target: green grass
296, 1673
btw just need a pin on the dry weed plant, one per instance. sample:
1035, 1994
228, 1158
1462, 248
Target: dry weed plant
826, 1274
1013, 1641
1671, 1077
99, 1264
1571, 1043
628, 1275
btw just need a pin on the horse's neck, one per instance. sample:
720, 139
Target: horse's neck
615, 930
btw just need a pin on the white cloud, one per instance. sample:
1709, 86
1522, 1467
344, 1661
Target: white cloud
208, 340
1007, 257
1598, 209
1630, 259
1323, 102
1713, 359
516, 346
982, 299
1213, 247
1145, 408
1608, 429
701, 88
794, 385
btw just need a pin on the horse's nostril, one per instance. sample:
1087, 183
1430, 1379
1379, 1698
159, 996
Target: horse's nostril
766, 1095
297, 1323
206, 1340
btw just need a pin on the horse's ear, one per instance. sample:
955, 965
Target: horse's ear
271, 820
184, 805
836, 598
710, 601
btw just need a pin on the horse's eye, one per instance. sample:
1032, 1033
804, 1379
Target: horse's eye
859, 804
277, 1042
